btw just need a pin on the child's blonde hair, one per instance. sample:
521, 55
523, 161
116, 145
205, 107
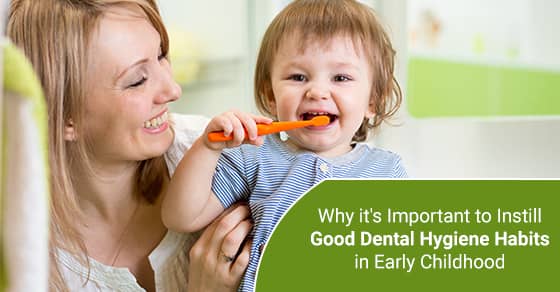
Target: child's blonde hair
321, 20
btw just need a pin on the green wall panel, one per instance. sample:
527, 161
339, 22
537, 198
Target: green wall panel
442, 88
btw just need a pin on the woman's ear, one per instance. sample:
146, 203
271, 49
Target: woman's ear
69, 131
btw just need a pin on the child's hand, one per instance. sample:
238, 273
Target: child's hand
235, 123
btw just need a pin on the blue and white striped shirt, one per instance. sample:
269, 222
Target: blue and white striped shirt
272, 177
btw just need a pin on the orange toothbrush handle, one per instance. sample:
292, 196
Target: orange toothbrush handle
262, 129
265, 129
220, 137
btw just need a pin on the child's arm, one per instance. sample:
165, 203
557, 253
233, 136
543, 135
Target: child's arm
190, 204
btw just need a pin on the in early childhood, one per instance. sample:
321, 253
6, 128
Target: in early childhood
318, 57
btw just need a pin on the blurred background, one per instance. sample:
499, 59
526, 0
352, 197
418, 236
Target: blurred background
481, 79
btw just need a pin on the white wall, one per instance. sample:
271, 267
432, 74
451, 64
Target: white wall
443, 148
466, 148
219, 26
544, 40
220, 29
228, 33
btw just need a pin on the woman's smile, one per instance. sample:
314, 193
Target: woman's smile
157, 124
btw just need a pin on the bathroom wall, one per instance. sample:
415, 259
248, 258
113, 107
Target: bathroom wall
465, 147
513, 147
218, 31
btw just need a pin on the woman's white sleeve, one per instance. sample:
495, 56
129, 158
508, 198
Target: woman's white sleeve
187, 129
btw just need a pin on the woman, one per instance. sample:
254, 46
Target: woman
103, 65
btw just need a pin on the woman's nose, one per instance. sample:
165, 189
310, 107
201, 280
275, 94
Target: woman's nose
169, 89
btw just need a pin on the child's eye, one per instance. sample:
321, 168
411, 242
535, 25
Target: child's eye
341, 78
297, 77
138, 83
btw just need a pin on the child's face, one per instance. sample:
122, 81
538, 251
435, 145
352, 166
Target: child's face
326, 78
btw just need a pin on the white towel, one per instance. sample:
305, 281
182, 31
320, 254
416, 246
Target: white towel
24, 183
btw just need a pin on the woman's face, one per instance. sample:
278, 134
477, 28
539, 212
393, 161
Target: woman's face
129, 86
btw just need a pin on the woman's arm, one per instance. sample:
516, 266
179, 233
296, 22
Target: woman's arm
219, 258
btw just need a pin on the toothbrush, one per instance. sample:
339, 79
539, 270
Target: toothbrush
275, 127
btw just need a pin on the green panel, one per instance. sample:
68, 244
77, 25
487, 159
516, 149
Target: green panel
440, 88
290, 261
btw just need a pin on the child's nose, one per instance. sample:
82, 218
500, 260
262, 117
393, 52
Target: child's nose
317, 92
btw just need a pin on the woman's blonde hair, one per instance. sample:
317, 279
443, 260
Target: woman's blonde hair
321, 20
55, 35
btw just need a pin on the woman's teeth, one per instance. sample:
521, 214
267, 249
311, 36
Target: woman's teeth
156, 122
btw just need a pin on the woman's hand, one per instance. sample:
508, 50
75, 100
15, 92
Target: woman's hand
215, 264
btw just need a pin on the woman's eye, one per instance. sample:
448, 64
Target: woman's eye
341, 78
297, 77
138, 83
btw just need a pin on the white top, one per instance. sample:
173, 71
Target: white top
169, 259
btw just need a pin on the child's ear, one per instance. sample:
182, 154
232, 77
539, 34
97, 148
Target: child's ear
270, 100
70, 131
370, 111
271, 104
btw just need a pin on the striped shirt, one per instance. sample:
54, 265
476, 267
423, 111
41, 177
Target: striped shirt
272, 177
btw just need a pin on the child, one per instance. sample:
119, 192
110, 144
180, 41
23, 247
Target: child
318, 57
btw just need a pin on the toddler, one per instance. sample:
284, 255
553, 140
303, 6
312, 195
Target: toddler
318, 57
